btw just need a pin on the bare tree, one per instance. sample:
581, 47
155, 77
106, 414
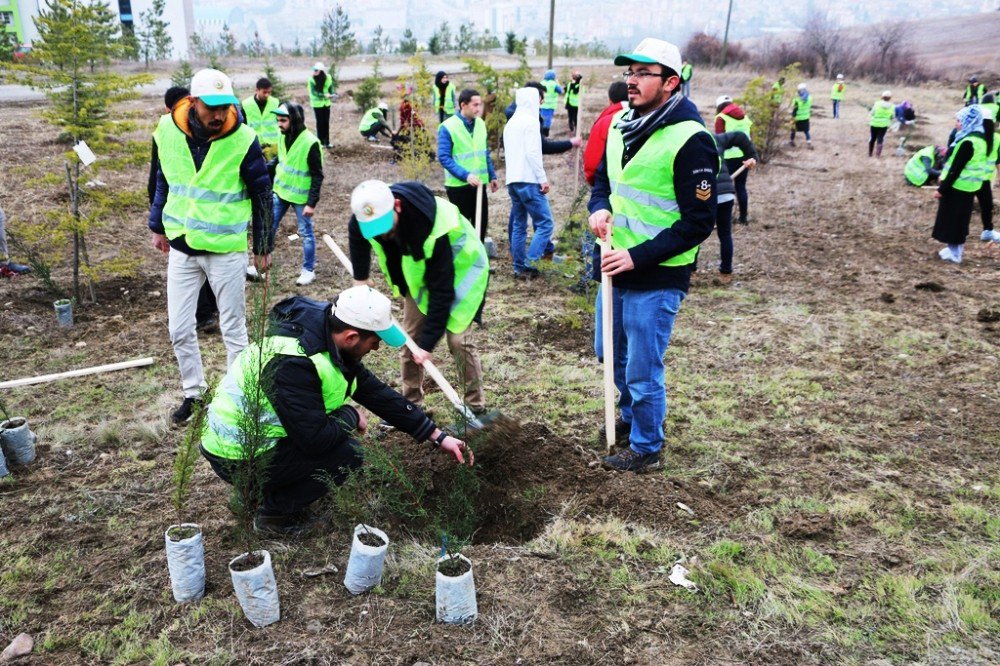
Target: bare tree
889, 41
822, 39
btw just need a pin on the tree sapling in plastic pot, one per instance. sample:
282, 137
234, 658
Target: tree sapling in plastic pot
184, 541
455, 589
364, 568
17, 442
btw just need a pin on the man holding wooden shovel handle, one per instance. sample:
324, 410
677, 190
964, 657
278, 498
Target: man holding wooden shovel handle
655, 191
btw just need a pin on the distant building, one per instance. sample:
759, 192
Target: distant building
16, 17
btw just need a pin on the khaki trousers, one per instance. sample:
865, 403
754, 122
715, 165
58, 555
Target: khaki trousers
463, 350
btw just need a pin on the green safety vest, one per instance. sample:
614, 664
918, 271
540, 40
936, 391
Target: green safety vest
222, 436
643, 202
976, 92
292, 179
449, 98
915, 170
976, 171
734, 125
990, 110
371, 117
318, 98
210, 205
264, 123
837, 92
803, 107
472, 269
882, 113
468, 150
686, 71
573, 94
777, 92
551, 99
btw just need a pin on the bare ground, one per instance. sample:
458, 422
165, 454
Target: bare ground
832, 430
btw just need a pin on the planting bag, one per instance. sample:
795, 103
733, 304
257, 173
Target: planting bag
3, 465
186, 562
257, 591
17, 441
456, 596
364, 568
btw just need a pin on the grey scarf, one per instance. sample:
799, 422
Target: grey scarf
634, 128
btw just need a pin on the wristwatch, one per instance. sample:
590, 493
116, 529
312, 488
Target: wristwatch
439, 440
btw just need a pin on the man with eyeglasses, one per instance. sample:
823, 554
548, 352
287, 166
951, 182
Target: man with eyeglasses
655, 191
212, 186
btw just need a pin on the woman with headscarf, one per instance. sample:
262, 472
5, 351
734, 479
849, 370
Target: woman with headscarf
966, 167
444, 96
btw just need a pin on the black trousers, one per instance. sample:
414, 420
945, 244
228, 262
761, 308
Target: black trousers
984, 195
740, 182
294, 480
877, 136
571, 113
207, 307
322, 124
464, 196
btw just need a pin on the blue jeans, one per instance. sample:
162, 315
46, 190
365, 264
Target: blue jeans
643, 321
547, 115
836, 108
305, 230
686, 88
527, 199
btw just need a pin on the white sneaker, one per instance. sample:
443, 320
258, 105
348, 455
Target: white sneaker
946, 255
253, 275
986, 236
305, 277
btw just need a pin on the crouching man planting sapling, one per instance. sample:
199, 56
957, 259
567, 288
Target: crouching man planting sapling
307, 368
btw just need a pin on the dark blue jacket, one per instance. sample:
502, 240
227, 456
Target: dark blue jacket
445, 145
695, 169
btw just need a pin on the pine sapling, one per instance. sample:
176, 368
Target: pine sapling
184, 464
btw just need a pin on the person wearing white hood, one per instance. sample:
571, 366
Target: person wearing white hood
527, 185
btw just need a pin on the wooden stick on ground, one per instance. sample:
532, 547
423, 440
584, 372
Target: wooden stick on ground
42, 379
607, 332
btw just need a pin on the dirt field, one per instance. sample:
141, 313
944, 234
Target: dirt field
832, 430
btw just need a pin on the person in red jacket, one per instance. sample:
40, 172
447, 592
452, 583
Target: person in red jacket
596, 143
726, 107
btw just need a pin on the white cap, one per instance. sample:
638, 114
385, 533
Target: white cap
368, 310
802, 86
373, 204
651, 50
722, 99
213, 88
382, 105
319, 67
886, 94
840, 77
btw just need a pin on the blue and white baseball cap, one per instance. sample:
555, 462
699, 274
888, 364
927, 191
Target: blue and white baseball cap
368, 310
653, 51
213, 88
373, 204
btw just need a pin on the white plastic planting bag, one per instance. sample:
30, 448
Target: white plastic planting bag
257, 591
3, 465
364, 568
186, 562
18, 441
456, 595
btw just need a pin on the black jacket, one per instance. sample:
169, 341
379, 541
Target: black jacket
295, 389
415, 224
695, 167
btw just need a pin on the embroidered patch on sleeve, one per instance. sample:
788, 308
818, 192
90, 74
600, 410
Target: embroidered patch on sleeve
703, 191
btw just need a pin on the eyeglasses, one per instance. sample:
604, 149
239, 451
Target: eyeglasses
628, 74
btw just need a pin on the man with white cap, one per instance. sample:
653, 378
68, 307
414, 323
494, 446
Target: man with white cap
655, 191
880, 118
212, 186
837, 95
303, 374
373, 123
298, 176
320, 93
430, 255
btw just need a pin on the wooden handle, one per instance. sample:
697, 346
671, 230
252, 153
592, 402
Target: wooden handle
608, 348
42, 379
332, 244
738, 171
479, 211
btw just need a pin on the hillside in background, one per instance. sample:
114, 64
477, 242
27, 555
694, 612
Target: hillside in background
958, 46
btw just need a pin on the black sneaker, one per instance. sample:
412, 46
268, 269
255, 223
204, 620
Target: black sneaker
208, 325
632, 461
622, 432
183, 413
284, 525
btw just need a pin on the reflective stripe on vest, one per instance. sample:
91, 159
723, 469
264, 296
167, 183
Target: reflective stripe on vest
551, 99
733, 125
882, 113
467, 149
803, 107
292, 179
318, 98
371, 117
264, 123
837, 92
231, 406
975, 172
210, 206
643, 202
915, 170
449, 98
472, 269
